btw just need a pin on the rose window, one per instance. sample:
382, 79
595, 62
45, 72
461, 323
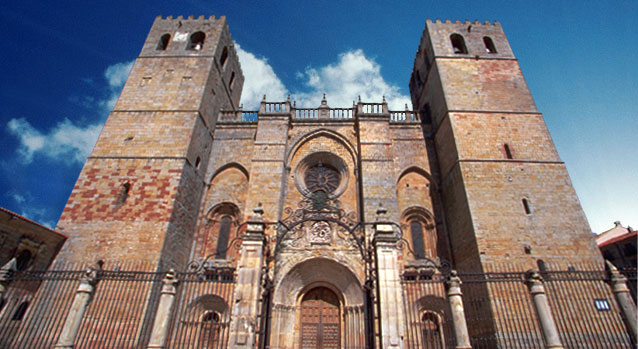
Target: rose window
322, 177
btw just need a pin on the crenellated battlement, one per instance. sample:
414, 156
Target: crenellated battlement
466, 22
200, 19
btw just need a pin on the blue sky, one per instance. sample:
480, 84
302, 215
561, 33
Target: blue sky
64, 65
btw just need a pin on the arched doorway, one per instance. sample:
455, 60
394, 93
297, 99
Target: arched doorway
320, 325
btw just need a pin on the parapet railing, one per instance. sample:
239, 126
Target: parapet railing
320, 113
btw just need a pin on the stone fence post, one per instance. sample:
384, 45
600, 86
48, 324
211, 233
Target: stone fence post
164, 310
389, 286
247, 289
454, 297
622, 294
83, 296
548, 326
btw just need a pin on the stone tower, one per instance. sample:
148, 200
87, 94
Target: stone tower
138, 195
506, 193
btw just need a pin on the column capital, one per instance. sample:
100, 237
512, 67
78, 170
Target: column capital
170, 282
453, 284
534, 282
617, 280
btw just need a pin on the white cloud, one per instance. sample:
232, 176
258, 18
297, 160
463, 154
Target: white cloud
351, 76
260, 79
19, 199
116, 76
38, 215
65, 141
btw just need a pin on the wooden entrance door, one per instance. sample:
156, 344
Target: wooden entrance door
320, 326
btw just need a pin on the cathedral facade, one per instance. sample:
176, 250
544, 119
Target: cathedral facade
328, 217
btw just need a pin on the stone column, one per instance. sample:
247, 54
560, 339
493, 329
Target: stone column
83, 296
248, 286
390, 294
537, 291
622, 294
164, 310
5, 275
454, 297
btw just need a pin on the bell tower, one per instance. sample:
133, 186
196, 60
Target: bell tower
138, 195
506, 193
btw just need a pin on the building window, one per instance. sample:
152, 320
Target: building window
542, 267
526, 206
431, 331
196, 41
458, 44
508, 151
489, 45
197, 162
23, 259
224, 57
20, 311
426, 59
163, 42
208, 329
222, 237
123, 194
416, 230
322, 177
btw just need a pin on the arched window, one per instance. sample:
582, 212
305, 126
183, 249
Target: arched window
432, 337
196, 41
163, 42
20, 311
219, 230
224, 57
458, 44
418, 227
489, 45
542, 267
208, 329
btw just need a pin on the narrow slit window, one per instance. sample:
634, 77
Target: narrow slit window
489, 45
123, 194
224, 57
163, 42
196, 41
197, 162
526, 206
508, 151
458, 44
426, 59
416, 231
222, 238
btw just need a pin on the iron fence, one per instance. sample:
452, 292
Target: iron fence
122, 309
500, 313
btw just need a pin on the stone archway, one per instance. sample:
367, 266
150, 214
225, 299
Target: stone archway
299, 284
